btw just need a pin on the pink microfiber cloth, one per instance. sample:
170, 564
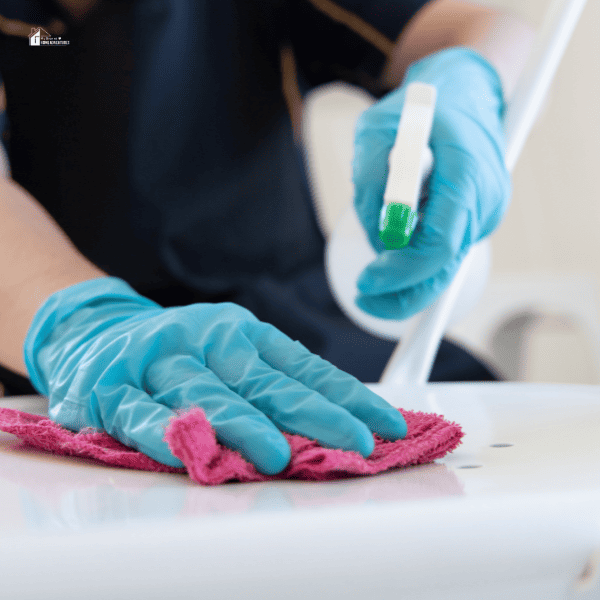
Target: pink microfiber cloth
192, 439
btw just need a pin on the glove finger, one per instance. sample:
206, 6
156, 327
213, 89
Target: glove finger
136, 420
409, 302
435, 244
333, 390
452, 184
256, 387
181, 381
289, 404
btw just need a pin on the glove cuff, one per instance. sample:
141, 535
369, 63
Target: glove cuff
450, 62
61, 305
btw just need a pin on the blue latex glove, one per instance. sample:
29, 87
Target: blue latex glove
111, 359
468, 192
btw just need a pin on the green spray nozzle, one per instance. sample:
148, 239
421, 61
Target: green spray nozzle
398, 221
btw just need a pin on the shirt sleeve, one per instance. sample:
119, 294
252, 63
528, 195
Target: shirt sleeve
346, 40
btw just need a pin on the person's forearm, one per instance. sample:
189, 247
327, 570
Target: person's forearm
36, 260
504, 39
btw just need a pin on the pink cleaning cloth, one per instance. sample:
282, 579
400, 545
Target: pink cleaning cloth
192, 439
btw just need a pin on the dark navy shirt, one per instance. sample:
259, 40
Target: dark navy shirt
160, 141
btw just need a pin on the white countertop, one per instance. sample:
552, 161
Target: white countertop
495, 519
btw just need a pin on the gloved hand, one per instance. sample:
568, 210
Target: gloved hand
111, 359
469, 188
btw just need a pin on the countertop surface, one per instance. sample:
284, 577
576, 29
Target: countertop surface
526, 475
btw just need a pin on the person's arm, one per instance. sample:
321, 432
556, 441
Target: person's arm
36, 260
36, 257
501, 37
